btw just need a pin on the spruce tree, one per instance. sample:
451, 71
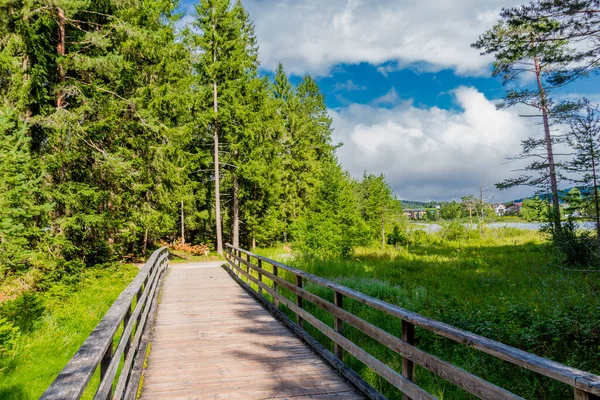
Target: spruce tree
332, 225
227, 61
304, 143
24, 210
378, 205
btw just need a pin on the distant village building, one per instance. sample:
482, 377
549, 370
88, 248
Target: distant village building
514, 209
499, 209
415, 214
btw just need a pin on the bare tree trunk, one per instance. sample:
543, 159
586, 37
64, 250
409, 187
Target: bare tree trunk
145, 242
470, 215
236, 212
482, 213
60, 49
551, 164
216, 157
382, 233
253, 242
182, 224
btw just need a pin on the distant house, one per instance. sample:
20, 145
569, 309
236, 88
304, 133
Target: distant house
415, 214
499, 209
514, 209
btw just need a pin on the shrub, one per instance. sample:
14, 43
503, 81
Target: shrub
419, 237
24, 311
397, 237
578, 248
453, 230
8, 334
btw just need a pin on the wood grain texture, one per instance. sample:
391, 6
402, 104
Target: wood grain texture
212, 340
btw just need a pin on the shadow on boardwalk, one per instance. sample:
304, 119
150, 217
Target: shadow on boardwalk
212, 340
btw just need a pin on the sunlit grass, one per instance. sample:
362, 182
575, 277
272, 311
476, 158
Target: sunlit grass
71, 315
505, 284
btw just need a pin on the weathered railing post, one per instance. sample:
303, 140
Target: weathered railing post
338, 324
408, 367
104, 364
125, 322
248, 269
299, 319
260, 291
275, 286
581, 395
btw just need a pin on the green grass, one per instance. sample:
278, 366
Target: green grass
71, 315
505, 285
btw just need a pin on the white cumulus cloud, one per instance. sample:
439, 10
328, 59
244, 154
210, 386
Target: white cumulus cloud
312, 36
431, 153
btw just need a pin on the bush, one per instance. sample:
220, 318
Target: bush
397, 237
418, 237
453, 230
24, 311
578, 248
8, 334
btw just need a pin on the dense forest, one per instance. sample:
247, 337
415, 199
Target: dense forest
116, 123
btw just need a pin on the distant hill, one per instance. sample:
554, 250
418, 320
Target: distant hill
409, 204
561, 195
412, 204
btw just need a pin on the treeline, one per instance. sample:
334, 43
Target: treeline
115, 124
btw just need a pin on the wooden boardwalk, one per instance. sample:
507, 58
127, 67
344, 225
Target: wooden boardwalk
212, 340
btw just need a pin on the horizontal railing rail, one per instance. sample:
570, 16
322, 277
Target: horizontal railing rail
121, 365
586, 385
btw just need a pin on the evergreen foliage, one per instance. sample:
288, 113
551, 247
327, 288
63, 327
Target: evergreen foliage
23, 209
115, 123
332, 225
535, 209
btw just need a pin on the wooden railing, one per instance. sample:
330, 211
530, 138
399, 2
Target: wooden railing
586, 386
121, 365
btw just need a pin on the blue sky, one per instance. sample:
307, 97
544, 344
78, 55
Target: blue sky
407, 94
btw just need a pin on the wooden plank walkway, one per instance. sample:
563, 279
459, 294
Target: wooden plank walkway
212, 340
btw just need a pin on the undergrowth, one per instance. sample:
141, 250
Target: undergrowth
49, 327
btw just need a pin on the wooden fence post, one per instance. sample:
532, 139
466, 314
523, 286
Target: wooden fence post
299, 319
338, 324
259, 276
408, 367
125, 322
248, 269
275, 287
104, 364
